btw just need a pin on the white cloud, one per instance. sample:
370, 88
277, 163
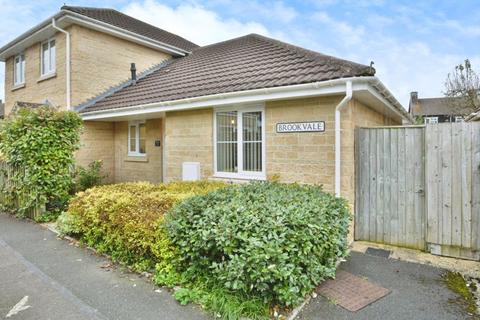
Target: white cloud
192, 21
350, 34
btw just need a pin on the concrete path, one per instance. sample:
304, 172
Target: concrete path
418, 292
65, 282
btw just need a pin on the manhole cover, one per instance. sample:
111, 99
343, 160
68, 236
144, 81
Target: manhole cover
378, 252
351, 292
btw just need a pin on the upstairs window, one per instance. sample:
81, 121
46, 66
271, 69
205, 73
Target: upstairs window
136, 138
458, 119
19, 70
47, 60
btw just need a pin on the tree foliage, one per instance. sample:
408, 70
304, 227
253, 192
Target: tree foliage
40, 142
464, 85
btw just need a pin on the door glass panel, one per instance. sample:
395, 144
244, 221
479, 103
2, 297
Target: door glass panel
227, 160
252, 141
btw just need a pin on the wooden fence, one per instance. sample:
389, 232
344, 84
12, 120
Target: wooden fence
419, 187
14, 200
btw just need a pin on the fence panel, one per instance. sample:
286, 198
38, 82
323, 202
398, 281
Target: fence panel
390, 188
14, 201
453, 184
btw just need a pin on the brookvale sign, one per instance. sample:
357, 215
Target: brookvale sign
311, 126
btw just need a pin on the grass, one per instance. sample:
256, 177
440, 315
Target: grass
223, 303
458, 284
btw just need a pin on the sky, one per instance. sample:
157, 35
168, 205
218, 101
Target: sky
413, 44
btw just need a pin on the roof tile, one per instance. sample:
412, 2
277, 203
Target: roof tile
245, 63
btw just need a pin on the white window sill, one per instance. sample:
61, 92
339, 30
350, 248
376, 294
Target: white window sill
242, 177
47, 76
18, 86
131, 157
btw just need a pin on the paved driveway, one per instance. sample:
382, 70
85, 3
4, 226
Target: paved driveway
418, 292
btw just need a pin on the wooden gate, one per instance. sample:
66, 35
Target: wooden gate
419, 187
390, 196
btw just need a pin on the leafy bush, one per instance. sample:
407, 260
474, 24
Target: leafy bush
125, 220
89, 177
269, 240
41, 142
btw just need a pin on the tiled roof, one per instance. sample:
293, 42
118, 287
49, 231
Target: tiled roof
245, 63
118, 19
441, 106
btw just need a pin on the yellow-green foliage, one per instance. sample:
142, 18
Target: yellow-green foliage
126, 220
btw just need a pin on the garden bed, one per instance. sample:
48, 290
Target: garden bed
254, 250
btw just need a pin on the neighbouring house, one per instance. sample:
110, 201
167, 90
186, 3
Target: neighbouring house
157, 107
438, 110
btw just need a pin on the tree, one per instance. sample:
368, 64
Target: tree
463, 84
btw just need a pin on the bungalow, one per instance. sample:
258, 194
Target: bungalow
157, 107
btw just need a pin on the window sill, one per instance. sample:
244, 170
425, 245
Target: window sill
47, 76
18, 86
136, 158
239, 178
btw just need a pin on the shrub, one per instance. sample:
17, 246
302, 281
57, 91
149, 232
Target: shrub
91, 176
125, 220
41, 142
269, 240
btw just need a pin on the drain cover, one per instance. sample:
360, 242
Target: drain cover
378, 252
351, 292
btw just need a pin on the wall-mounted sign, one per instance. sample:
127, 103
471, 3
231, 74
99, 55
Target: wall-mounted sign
311, 126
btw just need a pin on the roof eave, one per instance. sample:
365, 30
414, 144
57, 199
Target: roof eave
68, 17
323, 88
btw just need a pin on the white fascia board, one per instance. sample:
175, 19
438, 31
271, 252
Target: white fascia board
66, 17
18, 44
234, 98
324, 88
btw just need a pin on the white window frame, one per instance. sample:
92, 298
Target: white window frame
240, 174
52, 64
137, 152
21, 58
432, 120
459, 119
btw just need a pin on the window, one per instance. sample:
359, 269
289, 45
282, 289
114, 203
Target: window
47, 60
458, 119
240, 143
136, 138
431, 119
19, 70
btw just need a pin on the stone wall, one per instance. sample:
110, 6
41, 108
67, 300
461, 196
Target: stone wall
189, 137
138, 168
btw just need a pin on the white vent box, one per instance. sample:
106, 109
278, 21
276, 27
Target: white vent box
191, 171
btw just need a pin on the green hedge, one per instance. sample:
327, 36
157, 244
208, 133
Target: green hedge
41, 143
125, 220
268, 240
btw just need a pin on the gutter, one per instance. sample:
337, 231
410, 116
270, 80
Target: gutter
67, 62
338, 134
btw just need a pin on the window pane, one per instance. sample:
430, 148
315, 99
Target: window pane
16, 69
22, 68
252, 141
227, 160
52, 56
45, 58
142, 132
142, 146
133, 139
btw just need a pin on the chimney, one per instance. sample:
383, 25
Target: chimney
133, 70
413, 100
